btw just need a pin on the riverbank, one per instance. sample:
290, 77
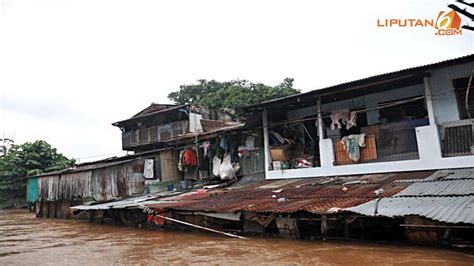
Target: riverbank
27, 240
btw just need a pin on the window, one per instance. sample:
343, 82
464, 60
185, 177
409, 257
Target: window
460, 87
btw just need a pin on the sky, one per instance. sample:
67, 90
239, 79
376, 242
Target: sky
69, 69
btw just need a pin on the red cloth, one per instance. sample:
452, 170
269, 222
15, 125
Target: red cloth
190, 157
155, 219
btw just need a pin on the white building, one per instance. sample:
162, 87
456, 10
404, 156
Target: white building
413, 119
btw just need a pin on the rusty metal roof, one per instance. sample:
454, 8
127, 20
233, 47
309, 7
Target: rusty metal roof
314, 195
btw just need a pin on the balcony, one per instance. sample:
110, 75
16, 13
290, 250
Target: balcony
144, 136
384, 143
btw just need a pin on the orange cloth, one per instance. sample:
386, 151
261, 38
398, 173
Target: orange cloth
190, 157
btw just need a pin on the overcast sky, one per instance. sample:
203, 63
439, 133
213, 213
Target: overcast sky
68, 69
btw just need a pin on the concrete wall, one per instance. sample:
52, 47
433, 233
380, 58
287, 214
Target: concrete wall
444, 97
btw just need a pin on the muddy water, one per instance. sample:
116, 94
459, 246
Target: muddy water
26, 240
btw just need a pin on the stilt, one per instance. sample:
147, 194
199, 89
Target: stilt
324, 225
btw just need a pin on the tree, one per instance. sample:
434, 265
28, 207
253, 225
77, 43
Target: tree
230, 94
25, 160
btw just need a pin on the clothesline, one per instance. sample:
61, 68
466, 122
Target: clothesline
290, 121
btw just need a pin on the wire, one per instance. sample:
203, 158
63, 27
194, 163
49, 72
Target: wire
397, 103
467, 97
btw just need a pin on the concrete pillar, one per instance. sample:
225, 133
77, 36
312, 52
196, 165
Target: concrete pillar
320, 120
429, 101
326, 149
266, 140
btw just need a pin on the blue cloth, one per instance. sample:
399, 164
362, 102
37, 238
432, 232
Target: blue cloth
224, 144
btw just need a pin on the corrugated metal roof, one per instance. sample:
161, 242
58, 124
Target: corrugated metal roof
466, 173
120, 204
446, 196
443, 209
315, 195
361, 82
439, 188
91, 166
138, 116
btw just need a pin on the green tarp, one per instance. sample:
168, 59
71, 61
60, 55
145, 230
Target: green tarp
32, 194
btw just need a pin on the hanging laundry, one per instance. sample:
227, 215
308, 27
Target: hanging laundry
189, 157
352, 145
216, 164
352, 122
203, 161
224, 144
180, 161
206, 145
233, 151
250, 142
339, 118
148, 169
218, 150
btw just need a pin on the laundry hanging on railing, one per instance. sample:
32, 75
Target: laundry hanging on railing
352, 145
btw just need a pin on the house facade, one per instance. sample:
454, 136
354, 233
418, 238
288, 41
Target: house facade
410, 120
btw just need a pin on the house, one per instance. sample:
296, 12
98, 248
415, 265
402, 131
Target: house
157, 136
389, 157
161, 125
409, 120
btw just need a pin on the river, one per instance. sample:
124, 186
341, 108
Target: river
25, 240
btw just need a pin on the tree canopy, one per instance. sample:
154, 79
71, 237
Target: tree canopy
25, 160
230, 94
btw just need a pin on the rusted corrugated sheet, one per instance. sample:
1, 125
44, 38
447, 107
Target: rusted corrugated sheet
103, 184
74, 185
48, 188
314, 195
168, 165
117, 181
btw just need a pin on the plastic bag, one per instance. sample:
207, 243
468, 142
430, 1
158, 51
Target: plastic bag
216, 165
227, 170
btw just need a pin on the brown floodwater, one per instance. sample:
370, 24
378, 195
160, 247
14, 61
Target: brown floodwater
25, 240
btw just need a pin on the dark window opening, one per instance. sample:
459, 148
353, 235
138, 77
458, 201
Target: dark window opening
407, 111
460, 86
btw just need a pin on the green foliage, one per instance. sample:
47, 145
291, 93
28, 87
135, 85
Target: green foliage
25, 160
230, 94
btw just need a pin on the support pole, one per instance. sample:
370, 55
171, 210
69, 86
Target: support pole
429, 101
320, 120
324, 225
152, 212
266, 140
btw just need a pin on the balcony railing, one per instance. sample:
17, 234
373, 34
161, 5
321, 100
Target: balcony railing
155, 134
457, 138
383, 143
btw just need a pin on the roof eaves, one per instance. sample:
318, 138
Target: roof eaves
366, 81
149, 114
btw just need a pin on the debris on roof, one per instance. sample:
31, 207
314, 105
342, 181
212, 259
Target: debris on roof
314, 195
